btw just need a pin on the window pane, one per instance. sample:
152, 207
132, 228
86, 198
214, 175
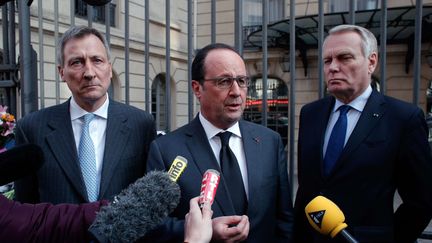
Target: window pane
277, 104
98, 12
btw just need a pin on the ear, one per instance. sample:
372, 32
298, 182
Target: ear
373, 62
60, 71
110, 70
196, 88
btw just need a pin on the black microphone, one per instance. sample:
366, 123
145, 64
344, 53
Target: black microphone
138, 209
20, 161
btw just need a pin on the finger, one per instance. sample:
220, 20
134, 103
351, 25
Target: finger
244, 222
232, 220
206, 211
242, 229
193, 203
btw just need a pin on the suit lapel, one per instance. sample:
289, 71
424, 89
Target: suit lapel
117, 133
322, 116
204, 159
62, 144
253, 152
369, 118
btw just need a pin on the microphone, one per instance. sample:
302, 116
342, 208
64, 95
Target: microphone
327, 218
138, 209
209, 185
177, 167
20, 161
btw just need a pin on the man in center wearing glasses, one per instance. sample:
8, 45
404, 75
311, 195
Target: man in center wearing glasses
252, 202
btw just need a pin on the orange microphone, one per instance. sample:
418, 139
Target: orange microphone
327, 218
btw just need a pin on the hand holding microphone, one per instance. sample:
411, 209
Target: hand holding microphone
198, 222
225, 228
326, 217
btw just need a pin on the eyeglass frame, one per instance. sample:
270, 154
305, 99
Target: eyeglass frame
218, 80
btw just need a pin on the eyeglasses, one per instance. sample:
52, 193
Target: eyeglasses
227, 82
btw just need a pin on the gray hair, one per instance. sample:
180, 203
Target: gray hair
78, 32
369, 42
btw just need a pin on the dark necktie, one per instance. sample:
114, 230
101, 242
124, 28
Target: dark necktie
232, 175
336, 141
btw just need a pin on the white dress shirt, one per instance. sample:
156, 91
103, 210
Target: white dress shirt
353, 115
97, 129
235, 143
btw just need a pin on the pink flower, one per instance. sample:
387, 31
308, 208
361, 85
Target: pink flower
7, 126
3, 109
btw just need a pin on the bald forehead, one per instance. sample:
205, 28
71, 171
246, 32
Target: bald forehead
341, 38
223, 58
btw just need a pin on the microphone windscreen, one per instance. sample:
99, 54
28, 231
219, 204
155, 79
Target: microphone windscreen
138, 209
325, 216
20, 161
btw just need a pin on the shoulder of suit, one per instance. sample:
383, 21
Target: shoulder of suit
257, 128
400, 107
45, 113
175, 135
128, 108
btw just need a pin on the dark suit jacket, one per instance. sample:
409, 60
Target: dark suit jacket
129, 132
270, 206
387, 150
46, 222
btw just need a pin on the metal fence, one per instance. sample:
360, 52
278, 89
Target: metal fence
21, 76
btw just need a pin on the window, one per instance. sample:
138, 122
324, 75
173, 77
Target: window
277, 105
343, 5
252, 16
98, 12
158, 99
252, 11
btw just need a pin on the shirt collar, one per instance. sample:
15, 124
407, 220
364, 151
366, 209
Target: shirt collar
76, 111
212, 131
358, 103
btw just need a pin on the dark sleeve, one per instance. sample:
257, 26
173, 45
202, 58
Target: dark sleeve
414, 180
26, 189
46, 222
285, 217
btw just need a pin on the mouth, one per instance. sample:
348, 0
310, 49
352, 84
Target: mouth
90, 86
234, 106
335, 81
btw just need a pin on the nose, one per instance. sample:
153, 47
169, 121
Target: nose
333, 66
235, 89
89, 73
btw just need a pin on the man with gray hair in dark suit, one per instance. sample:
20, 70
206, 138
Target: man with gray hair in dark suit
93, 146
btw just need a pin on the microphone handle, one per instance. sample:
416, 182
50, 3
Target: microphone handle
348, 237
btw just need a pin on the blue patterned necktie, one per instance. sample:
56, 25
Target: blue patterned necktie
232, 175
336, 141
87, 159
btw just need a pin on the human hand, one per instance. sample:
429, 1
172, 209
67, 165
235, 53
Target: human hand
230, 228
198, 223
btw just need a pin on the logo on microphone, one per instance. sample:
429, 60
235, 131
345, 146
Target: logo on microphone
317, 217
177, 167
